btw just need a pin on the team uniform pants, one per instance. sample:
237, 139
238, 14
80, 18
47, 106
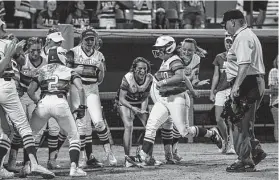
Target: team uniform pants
57, 107
10, 102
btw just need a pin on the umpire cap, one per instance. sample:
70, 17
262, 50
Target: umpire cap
232, 14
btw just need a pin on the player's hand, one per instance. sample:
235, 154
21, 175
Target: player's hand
80, 111
79, 69
136, 110
33, 10
195, 94
203, 82
10, 48
234, 92
20, 45
212, 97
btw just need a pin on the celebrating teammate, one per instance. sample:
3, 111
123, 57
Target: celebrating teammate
10, 102
220, 92
133, 99
90, 64
170, 84
54, 79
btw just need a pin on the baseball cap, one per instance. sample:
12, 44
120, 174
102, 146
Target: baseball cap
88, 33
56, 37
232, 14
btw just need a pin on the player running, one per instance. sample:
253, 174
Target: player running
54, 79
89, 63
170, 84
10, 102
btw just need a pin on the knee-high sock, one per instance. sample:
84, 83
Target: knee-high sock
52, 145
74, 151
103, 136
61, 140
88, 145
4, 147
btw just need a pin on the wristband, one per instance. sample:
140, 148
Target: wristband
82, 107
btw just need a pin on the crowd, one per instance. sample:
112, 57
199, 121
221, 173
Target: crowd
134, 14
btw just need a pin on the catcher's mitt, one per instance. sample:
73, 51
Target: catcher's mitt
80, 111
235, 111
166, 91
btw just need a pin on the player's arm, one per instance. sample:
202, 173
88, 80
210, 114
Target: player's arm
32, 88
71, 60
195, 78
144, 104
77, 82
7, 57
190, 86
102, 68
178, 77
215, 80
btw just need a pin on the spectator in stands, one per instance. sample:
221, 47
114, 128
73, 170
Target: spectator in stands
193, 14
2, 10
48, 17
106, 14
78, 17
23, 13
273, 82
142, 14
161, 22
259, 6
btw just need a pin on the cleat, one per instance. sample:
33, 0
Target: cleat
134, 160
76, 171
240, 166
111, 159
259, 157
153, 162
4, 174
216, 138
41, 171
25, 170
176, 156
93, 162
128, 164
52, 164
170, 159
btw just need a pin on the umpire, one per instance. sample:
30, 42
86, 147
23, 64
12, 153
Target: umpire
245, 71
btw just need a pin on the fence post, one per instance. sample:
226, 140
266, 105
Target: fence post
191, 116
67, 31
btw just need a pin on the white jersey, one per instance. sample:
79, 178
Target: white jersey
28, 71
190, 67
92, 64
9, 72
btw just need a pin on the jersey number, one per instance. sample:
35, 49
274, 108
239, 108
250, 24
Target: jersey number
53, 84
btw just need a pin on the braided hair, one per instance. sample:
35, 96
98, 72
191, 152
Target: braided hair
140, 59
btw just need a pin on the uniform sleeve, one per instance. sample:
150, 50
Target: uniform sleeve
124, 84
216, 61
272, 77
243, 51
176, 64
61, 52
70, 58
74, 75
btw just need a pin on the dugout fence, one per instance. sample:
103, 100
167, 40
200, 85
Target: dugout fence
138, 42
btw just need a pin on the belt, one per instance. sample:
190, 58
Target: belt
7, 79
58, 95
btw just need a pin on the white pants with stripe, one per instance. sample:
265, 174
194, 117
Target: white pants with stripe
52, 106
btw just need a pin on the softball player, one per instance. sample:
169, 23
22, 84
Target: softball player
133, 100
54, 80
90, 64
10, 102
175, 104
220, 92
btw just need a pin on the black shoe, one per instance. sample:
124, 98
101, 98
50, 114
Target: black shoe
216, 138
239, 166
93, 162
259, 157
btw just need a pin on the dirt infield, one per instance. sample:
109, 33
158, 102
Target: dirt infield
201, 161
